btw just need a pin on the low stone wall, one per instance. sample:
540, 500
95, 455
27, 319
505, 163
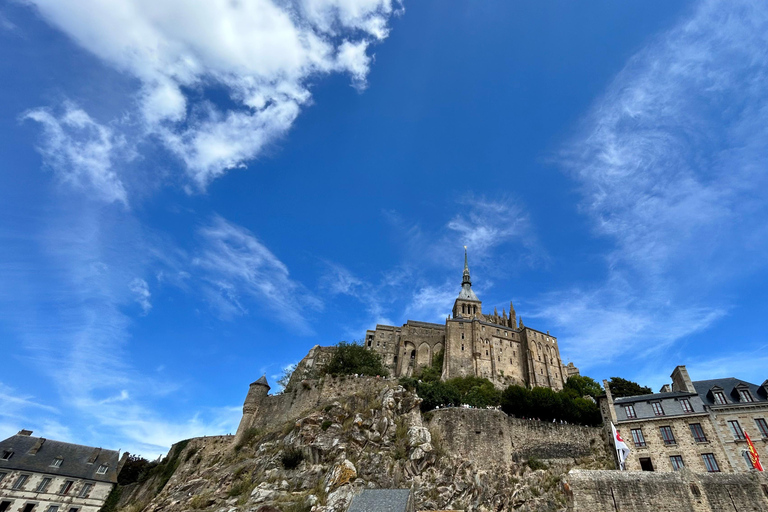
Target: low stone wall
682, 491
490, 437
309, 395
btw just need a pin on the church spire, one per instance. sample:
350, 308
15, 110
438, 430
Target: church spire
465, 278
466, 282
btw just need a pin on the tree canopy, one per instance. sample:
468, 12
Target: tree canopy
354, 358
623, 387
583, 386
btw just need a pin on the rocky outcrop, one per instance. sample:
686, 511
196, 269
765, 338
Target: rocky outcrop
376, 438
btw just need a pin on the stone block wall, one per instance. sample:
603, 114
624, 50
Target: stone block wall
311, 394
683, 491
490, 437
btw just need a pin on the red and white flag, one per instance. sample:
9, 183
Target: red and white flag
753, 455
622, 450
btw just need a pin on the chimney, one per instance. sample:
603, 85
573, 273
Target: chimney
24, 433
681, 381
666, 388
94, 455
122, 462
38, 445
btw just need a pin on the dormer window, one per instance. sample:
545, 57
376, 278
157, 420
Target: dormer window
657, 410
745, 396
7, 454
719, 398
686, 405
56, 463
630, 410
103, 469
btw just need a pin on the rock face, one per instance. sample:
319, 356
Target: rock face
377, 438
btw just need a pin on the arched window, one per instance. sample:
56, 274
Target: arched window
474, 309
413, 354
463, 310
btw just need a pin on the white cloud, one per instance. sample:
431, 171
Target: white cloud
81, 151
141, 290
669, 160
263, 53
239, 268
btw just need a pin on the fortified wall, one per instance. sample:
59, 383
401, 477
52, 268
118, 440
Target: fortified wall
681, 491
490, 437
262, 410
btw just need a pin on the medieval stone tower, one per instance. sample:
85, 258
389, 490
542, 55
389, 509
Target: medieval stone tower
257, 393
491, 346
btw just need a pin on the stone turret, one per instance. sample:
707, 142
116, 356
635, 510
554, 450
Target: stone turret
257, 392
512, 316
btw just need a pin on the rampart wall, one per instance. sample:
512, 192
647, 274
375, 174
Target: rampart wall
308, 395
490, 437
681, 491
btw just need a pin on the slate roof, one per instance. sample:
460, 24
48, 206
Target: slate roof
381, 500
78, 460
262, 380
728, 384
652, 396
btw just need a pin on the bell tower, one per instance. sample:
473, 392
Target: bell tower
467, 304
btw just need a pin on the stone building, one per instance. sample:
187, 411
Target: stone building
42, 475
490, 345
695, 424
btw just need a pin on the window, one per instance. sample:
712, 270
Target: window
738, 434
7, 454
630, 410
44, 483
762, 426
57, 462
657, 410
66, 486
667, 435
710, 463
53, 508
2, 476
462, 335
102, 469
637, 437
19, 483
719, 398
745, 395
462, 347
698, 433
677, 462
686, 405
85, 490
747, 459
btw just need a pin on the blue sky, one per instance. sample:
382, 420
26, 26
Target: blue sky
194, 194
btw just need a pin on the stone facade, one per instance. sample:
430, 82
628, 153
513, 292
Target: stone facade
696, 424
40, 475
684, 491
493, 346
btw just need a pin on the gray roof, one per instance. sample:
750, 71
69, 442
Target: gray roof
262, 380
381, 500
466, 293
728, 385
652, 396
78, 461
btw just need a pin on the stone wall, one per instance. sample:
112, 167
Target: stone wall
309, 395
683, 491
489, 437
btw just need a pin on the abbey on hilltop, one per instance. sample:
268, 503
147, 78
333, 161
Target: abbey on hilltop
492, 346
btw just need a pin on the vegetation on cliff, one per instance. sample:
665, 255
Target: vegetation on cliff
355, 359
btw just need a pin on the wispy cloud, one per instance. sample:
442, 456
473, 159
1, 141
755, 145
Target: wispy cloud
140, 288
239, 269
81, 151
670, 161
262, 53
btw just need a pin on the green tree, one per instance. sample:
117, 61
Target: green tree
583, 386
623, 387
516, 401
354, 358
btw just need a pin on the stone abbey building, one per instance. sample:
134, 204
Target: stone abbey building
493, 346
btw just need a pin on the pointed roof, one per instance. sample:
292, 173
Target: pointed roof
262, 380
466, 292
